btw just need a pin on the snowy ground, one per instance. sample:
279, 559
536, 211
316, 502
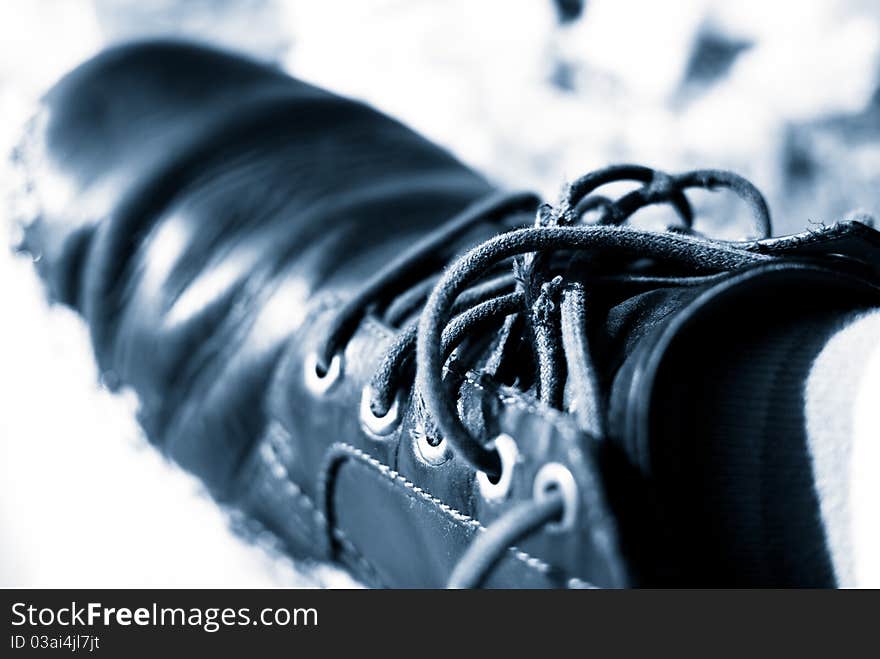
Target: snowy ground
782, 92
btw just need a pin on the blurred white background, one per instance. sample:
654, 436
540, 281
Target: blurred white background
783, 92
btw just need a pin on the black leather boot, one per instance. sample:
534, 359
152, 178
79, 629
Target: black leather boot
263, 263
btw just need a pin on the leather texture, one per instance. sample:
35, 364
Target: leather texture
207, 215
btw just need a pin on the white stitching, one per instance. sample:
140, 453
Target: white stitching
527, 559
348, 545
550, 415
280, 472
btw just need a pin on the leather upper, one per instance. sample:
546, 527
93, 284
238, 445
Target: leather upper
208, 215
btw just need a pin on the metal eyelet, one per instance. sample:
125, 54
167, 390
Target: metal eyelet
554, 476
433, 454
319, 383
509, 454
379, 425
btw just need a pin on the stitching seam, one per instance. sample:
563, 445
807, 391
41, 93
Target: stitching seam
341, 447
280, 472
380, 332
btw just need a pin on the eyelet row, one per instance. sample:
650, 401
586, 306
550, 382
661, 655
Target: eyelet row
551, 476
